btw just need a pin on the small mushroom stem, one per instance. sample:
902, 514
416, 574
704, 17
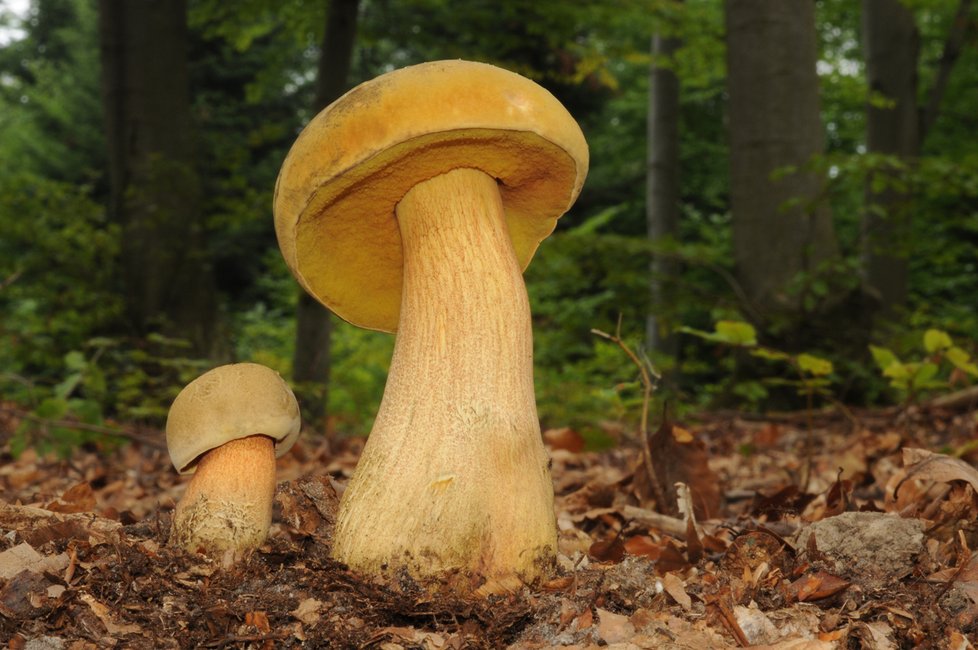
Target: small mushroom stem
454, 475
226, 509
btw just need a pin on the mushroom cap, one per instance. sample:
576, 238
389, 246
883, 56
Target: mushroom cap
227, 403
340, 183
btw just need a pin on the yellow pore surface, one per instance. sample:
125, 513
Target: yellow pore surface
339, 186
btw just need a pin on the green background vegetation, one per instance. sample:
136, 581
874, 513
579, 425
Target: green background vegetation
68, 349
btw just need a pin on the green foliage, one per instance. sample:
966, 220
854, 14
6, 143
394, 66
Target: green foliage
931, 371
57, 265
65, 352
813, 374
50, 113
131, 380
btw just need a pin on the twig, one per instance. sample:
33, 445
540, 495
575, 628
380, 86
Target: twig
964, 398
153, 441
665, 523
10, 279
644, 367
647, 372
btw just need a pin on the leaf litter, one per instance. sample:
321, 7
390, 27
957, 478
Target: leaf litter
701, 536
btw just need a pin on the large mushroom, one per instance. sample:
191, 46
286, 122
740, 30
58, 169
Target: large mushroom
412, 204
226, 428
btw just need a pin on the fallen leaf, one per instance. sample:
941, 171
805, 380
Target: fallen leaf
923, 464
259, 620
104, 614
564, 438
78, 498
676, 455
614, 628
839, 497
788, 500
585, 620
815, 586
23, 557
612, 551
877, 635
966, 577
674, 586
643, 546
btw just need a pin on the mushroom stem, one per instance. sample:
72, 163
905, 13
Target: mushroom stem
454, 475
226, 509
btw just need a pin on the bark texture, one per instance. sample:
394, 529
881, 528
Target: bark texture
155, 190
662, 184
891, 45
779, 229
313, 342
454, 475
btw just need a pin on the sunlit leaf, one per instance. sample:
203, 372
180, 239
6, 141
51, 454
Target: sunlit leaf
961, 360
736, 332
936, 340
883, 357
814, 365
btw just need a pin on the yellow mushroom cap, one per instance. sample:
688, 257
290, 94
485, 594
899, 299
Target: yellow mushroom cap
227, 403
341, 181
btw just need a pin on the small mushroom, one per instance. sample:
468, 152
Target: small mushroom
226, 428
412, 204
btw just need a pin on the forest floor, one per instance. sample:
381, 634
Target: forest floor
873, 550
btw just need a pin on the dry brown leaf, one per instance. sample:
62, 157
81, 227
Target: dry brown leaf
614, 628
259, 620
678, 456
643, 546
78, 498
612, 551
923, 464
816, 586
564, 438
673, 585
23, 557
585, 620
787, 500
966, 577
104, 614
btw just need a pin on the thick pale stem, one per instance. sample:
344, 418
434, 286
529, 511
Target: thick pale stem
454, 474
227, 508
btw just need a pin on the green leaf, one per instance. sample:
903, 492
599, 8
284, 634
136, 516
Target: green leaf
736, 333
75, 360
813, 365
769, 354
936, 341
68, 385
883, 357
51, 408
961, 360
925, 373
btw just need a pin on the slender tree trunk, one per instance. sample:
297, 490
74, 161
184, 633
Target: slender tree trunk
313, 341
779, 228
891, 44
155, 191
662, 185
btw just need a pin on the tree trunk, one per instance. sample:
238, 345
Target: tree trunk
780, 229
155, 191
662, 186
311, 361
891, 44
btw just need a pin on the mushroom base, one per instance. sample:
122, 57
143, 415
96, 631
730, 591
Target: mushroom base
227, 508
454, 478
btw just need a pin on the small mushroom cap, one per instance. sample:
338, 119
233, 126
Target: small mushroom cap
227, 403
340, 183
